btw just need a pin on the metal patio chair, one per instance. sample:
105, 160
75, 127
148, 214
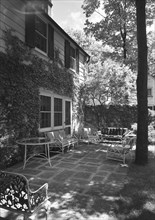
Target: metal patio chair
119, 152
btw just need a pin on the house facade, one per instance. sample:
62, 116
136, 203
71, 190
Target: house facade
32, 23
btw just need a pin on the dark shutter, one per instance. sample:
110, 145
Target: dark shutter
30, 27
77, 60
50, 41
67, 54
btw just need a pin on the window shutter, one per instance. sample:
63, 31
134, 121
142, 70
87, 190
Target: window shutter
50, 41
77, 60
30, 27
67, 54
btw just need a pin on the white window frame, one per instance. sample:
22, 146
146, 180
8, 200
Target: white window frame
64, 99
70, 125
36, 31
61, 126
48, 94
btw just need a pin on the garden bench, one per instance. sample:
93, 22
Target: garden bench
113, 134
16, 195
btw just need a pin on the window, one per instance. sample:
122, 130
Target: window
57, 112
45, 111
67, 113
40, 34
149, 92
72, 58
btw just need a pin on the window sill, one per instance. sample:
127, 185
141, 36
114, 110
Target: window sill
44, 129
58, 127
41, 52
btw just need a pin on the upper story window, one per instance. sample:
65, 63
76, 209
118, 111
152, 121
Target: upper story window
149, 92
71, 57
39, 33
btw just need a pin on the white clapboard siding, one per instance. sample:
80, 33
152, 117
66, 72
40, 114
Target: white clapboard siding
12, 16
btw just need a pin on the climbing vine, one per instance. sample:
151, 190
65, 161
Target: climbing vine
22, 73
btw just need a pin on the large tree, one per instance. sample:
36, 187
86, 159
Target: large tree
142, 130
118, 29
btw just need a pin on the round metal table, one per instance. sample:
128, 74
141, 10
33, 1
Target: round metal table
32, 147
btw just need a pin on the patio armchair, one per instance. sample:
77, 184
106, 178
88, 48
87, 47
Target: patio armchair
61, 140
119, 152
58, 145
72, 139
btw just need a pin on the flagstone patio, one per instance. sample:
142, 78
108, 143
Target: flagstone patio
82, 183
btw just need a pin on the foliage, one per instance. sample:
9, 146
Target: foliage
9, 156
111, 116
116, 26
108, 81
22, 74
117, 29
113, 83
151, 53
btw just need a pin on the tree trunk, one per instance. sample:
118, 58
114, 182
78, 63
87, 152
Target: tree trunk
142, 129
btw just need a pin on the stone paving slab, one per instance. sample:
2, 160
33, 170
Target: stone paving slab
66, 165
65, 174
83, 175
87, 168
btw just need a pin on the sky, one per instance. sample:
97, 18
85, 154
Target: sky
68, 13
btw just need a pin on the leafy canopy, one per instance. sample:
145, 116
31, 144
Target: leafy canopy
117, 26
108, 81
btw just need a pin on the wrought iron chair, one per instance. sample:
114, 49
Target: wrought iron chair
16, 195
120, 151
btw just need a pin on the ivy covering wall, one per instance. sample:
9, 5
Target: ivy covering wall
22, 73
